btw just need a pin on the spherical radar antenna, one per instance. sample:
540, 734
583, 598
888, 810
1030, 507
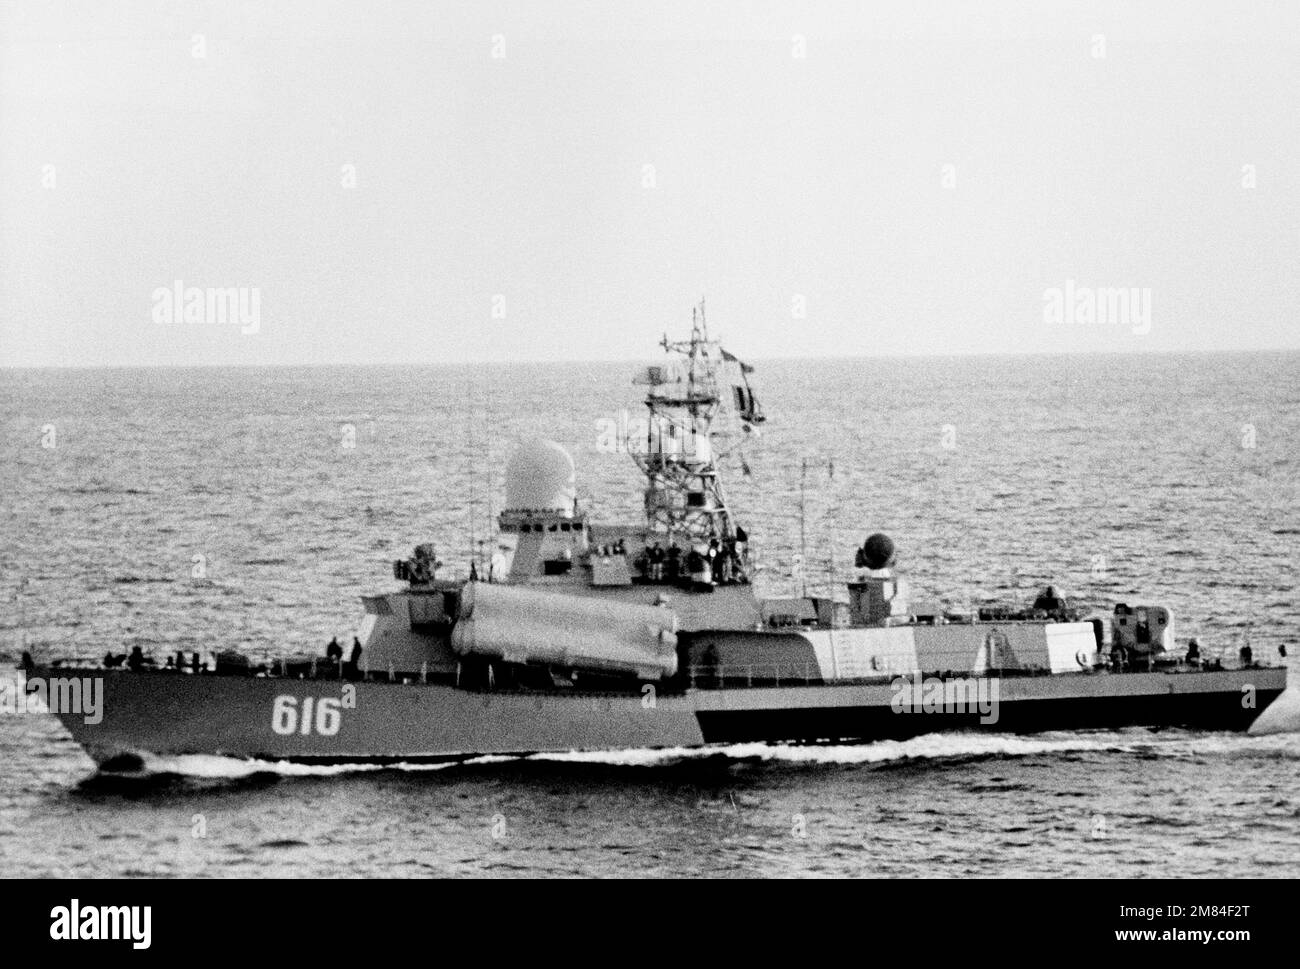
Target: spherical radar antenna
540, 477
878, 551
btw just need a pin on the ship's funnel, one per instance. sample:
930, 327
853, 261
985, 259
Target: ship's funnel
540, 478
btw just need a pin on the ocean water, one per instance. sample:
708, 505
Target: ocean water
209, 508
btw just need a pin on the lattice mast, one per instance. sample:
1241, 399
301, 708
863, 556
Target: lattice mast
684, 494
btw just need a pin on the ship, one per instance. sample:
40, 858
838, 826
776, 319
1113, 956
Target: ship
578, 635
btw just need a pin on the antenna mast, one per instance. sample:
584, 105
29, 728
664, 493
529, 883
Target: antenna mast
803, 530
684, 495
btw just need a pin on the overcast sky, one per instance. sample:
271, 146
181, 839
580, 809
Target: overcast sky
438, 182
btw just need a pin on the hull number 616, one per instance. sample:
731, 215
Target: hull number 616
307, 716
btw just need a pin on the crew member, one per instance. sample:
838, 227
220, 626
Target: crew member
723, 563
674, 570
701, 573
655, 557
1049, 602
734, 550
353, 665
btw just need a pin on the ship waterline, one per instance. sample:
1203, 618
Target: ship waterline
331, 721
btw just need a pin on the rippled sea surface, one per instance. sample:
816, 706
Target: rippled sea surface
206, 508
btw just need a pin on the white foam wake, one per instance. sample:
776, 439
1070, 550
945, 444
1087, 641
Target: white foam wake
942, 746
928, 747
215, 767
931, 747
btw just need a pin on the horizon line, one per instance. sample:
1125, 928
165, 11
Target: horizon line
635, 360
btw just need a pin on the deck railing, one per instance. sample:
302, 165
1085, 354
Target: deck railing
736, 675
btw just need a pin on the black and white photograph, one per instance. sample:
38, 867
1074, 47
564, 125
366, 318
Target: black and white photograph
660, 441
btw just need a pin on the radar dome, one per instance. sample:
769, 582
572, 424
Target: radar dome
540, 477
878, 552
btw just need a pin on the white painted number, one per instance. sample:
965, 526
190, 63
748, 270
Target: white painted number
284, 715
328, 718
286, 718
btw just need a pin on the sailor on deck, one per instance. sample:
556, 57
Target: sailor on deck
655, 562
1049, 602
352, 667
699, 570
674, 563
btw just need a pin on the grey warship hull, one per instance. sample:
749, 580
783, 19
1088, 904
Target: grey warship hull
278, 719
581, 635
